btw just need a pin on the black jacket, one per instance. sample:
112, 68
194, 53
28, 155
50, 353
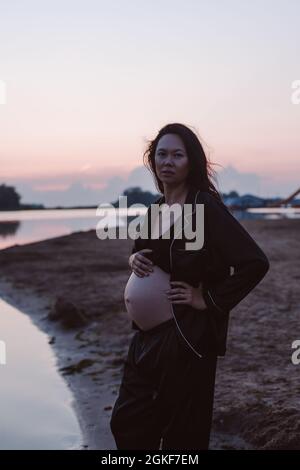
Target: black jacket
226, 244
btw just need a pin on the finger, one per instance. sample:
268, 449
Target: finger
141, 270
144, 265
143, 253
177, 296
179, 283
144, 272
176, 291
145, 260
179, 288
138, 272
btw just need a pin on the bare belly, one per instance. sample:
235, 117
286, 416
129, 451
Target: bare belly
145, 298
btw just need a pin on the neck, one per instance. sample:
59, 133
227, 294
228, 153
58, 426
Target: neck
175, 194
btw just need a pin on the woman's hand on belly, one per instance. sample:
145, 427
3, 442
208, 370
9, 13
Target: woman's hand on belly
140, 264
183, 293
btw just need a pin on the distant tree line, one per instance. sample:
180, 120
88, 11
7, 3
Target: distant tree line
10, 200
231, 194
135, 195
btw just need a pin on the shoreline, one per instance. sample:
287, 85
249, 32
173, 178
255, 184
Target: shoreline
65, 345
255, 404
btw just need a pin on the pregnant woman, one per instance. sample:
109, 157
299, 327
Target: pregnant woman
179, 301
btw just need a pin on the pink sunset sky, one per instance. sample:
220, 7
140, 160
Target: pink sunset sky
87, 82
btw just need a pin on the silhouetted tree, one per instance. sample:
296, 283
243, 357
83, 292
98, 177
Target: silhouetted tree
9, 198
135, 195
231, 194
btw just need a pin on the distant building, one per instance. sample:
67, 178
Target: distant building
243, 202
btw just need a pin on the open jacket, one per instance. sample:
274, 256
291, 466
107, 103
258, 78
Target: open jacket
227, 247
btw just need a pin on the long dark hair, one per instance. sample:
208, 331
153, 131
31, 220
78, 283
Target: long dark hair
201, 171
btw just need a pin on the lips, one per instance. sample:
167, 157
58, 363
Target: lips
167, 172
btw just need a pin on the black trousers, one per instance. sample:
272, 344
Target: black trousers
166, 393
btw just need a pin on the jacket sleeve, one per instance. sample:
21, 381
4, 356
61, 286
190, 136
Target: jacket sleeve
134, 248
235, 247
136, 244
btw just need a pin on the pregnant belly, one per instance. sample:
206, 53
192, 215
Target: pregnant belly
145, 298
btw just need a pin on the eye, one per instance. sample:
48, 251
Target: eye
160, 152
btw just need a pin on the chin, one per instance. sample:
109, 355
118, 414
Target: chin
167, 177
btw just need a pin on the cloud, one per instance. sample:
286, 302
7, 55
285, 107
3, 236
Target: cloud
84, 192
56, 192
231, 179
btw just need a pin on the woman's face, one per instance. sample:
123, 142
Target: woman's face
171, 160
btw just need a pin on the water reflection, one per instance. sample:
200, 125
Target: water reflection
35, 402
20, 227
8, 228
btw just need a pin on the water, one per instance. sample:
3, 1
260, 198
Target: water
35, 402
20, 227
274, 212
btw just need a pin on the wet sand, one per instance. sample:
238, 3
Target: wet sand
257, 386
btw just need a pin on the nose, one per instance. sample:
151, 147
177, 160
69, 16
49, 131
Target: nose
168, 161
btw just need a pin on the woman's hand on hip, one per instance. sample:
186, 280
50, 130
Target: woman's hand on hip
140, 264
183, 293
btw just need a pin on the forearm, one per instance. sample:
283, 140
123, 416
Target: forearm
233, 245
226, 294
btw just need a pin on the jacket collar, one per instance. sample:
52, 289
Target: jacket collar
190, 199
188, 211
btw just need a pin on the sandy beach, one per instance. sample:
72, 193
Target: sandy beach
257, 386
